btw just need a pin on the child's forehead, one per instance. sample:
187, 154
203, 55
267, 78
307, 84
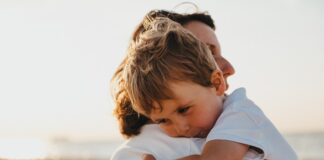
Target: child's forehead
178, 92
177, 87
164, 106
141, 111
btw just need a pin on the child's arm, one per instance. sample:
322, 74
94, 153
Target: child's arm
220, 149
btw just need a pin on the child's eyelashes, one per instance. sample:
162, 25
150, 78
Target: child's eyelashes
183, 110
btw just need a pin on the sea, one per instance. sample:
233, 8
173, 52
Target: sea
308, 146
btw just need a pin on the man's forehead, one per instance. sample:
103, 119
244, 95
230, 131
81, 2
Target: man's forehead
202, 32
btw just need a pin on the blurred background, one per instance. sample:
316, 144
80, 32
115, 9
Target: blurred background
57, 58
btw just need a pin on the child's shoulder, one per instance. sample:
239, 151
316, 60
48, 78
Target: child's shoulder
237, 103
236, 98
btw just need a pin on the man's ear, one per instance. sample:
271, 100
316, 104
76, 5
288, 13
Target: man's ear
218, 81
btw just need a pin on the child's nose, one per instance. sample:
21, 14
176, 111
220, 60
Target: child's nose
182, 128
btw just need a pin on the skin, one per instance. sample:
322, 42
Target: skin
221, 149
182, 115
208, 36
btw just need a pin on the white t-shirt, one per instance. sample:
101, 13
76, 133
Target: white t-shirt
152, 140
241, 121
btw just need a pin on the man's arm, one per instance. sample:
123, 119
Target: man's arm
220, 149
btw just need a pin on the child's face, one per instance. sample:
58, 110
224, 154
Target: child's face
191, 113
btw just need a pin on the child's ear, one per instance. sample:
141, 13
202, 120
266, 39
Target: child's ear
218, 81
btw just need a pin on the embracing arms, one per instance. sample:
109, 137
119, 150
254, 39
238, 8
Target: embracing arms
216, 149
220, 149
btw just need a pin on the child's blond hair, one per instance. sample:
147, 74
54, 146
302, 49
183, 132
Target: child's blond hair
164, 52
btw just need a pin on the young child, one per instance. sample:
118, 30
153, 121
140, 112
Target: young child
172, 78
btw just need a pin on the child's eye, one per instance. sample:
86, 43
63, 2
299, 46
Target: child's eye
161, 121
183, 110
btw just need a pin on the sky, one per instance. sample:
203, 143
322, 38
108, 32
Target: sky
57, 58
